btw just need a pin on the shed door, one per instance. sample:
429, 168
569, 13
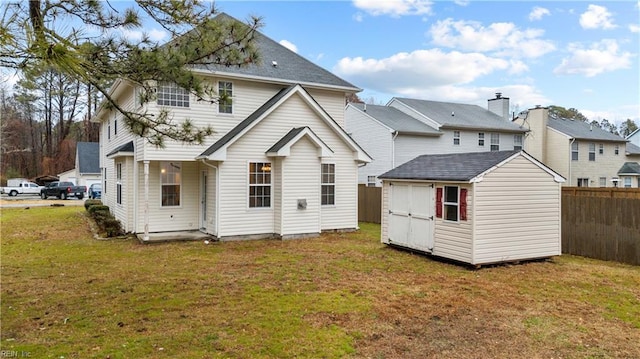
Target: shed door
411, 216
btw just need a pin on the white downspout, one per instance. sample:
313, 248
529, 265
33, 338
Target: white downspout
571, 158
204, 161
393, 149
146, 201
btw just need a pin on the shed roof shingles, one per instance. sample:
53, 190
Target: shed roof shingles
448, 167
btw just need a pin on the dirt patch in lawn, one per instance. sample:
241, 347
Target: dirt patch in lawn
338, 295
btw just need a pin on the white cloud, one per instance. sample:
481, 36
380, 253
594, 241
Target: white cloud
462, 2
419, 69
602, 56
289, 45
136, 35
596, 17
537, 13
394, 8
634, 28
157, 35
358, 17
502, 38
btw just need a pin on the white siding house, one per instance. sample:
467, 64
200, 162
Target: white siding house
279, 163
406, 128
475, 208
87, 169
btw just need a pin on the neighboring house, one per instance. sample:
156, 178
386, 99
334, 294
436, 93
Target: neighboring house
476, 208
406, 128
87, 168
634, 137
585, 155
279, 164
629, 175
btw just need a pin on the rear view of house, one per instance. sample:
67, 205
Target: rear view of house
475, 208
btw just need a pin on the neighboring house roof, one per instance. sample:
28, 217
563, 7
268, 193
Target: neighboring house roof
582, 130
396, 120
629, 168
124, 150
218, 151
463, 116
632, 149
279, 63
461, 167
637, 131
88, 157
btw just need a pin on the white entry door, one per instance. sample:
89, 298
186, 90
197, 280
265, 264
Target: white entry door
411, 208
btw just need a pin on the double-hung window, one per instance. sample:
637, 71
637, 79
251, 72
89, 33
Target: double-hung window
456, 138
170, 181
574, 151
481, 139
328, 190
119, 183
601, 149
451, 203
592, 151
495, 142
603, 181
170, 94
517, 142
259, 184
225, 92
627, 182
371, 181
616, 150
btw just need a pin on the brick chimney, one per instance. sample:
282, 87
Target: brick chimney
500, 106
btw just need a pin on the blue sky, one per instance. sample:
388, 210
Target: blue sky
572, 54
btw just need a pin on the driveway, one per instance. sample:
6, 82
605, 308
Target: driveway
22, 201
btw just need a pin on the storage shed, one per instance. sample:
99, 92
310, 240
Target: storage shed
475, 208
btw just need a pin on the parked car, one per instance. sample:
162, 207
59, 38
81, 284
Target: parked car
95, 191
63, 190
23, 187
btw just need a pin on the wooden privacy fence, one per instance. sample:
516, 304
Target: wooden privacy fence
610, 192
369, 204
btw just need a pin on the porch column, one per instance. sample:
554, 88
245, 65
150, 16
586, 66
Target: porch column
146, 200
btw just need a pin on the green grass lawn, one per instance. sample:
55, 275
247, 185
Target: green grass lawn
67, 295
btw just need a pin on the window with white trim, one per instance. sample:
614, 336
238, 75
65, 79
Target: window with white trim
170, 94
517, 142
603, 181
104, 188
371, 181
225, 91
259, 184
601, 149
638, 182
115, 127
119, 183
456, 138
171, 182
574, 151
481, 139
592, 151
451, 203
627, 182
495, 142
328, 190
616, 150
109, 130
583, 182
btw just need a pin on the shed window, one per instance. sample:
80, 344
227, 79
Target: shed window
171, 180
495, 142
481, 139
592, 152
451, 203
329, 184
259, 184
456, 138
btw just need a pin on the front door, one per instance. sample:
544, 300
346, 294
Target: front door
411, 215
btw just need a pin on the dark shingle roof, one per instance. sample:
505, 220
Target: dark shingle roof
290, 67
246, 122
448, 167
285, 139
632, 149
88, 157
127, 147
582, 130
397, 120
465, 116
629, 168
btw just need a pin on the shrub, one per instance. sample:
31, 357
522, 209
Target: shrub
91, 202
97, 208
106, 222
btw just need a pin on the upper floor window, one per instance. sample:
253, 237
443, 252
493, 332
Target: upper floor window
592, 152
574, 151
456, 137
170, 94
601, 149
170, 181
225, 91
616, 150
480, 138
259, 184
328, 194
495, 142
115, 127
371, 181
517, 142
109, 130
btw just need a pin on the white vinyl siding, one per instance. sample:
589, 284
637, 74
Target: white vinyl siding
517, 214
454, 239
